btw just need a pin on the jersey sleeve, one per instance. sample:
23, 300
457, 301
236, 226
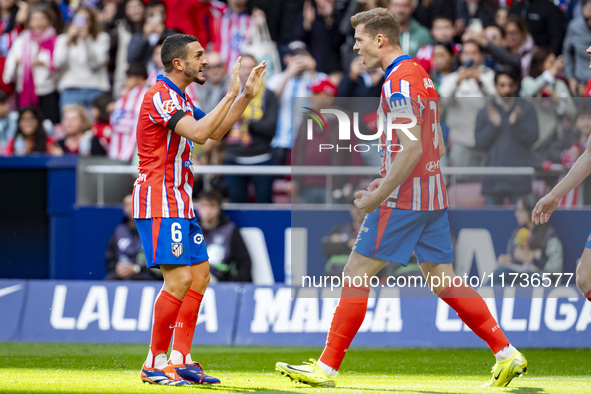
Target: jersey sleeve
402, 101
166, 108
198, 113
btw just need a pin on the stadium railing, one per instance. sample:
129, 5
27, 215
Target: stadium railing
101, 171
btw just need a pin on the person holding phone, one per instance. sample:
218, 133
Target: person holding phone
81, 54
458, 90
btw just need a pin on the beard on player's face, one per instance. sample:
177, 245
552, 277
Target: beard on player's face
195, 74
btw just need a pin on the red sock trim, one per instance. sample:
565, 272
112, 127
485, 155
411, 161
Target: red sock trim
588, 295
347, 319
166, 309
186, 322
473, 311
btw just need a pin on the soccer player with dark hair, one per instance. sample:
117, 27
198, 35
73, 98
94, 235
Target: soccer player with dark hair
548, 204
406, 211
168, 127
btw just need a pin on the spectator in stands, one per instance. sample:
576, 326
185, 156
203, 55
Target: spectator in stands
79, 138
199, 18
495, 35
30, 136
463, 93
429, 10
125, 258
313, 188
8, 123
506, 128
124, 28
576, 59
545, 22
102, 106
553, 100
443, 62
347, 31
442, 32
519, 45
218, 80
320, 32
142, 43
573, 144
469, 10
531, 249
9, 31
30, 64
361, 82
501, 17
229, 259
412, 35
288, 25
234, 25
358, 83
81, 54
126, 112
294, 81
249, 141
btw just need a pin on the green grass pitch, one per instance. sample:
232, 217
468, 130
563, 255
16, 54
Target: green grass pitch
90, 368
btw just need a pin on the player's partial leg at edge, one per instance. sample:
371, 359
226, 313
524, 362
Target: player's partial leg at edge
175, 311
474, 312
347, 319
352, 307
584, 273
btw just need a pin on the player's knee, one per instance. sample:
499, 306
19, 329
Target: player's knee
183, 283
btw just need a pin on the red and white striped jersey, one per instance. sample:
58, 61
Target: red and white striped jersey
123, 121
409, 90
164, 186
233, 33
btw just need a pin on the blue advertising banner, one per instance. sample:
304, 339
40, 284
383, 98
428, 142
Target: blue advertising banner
408, 317
12, 298
120, 312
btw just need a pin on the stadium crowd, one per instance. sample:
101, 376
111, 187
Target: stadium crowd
512, 77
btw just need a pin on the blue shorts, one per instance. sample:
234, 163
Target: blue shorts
172, 241
393, 234
588, 244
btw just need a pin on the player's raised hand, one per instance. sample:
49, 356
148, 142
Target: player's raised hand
234, 88
255, 79
544, 208
367, 201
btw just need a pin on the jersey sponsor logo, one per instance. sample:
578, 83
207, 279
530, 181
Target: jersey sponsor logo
400, 104
432, 166
140, 178
428, 83
177, 249
168, 106
198, 238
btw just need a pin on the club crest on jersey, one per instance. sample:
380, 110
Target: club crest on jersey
168, 106
177, 249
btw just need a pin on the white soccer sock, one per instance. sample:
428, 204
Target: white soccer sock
504, 354
330, 371
176, 357
158, 362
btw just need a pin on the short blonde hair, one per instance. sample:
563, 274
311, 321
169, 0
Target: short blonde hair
82, 113
379, 21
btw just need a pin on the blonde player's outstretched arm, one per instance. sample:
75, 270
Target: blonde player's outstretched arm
548, 204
